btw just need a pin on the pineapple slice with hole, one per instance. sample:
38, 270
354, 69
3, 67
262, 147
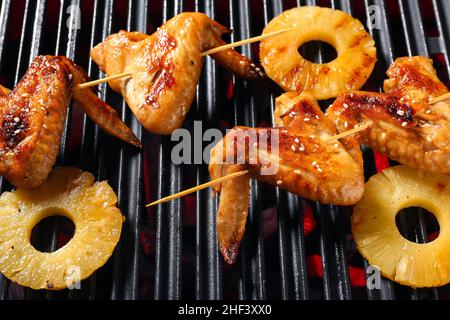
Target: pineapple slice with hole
71, 193
378, 238
285, 65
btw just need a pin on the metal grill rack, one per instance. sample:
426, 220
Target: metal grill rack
186, 262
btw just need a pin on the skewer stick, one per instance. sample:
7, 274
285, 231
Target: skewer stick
348, 133
241, 173
103, 80
208, 52
441, 98
246, 41
198, 188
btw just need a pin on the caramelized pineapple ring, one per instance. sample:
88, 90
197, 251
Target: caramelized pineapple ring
349, 71
71, 193
377, 236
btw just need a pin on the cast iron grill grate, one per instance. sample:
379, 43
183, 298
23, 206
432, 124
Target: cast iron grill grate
171, 252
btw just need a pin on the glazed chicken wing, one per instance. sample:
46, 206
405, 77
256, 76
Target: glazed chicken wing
405, 126
166, 67
32, 119
307, 165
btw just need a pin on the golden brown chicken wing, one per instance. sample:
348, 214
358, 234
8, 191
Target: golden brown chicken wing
305, 164
4, 91
32, 119
405, 126
31, 122
166, 67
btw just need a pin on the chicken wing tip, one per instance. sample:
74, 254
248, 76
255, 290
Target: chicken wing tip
230, 253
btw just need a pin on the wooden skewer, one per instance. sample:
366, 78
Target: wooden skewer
347, 133
246, 41
241, 173
208, 52
198, 188
441, 98
103, 80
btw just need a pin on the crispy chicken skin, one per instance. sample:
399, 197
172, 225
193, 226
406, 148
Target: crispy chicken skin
307, 166
405, 126
415, 80
166, 67
31, 122
96, 109
32, 119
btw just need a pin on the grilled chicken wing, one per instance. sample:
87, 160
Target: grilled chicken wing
32, 119
166, 67
307, 165
405, 126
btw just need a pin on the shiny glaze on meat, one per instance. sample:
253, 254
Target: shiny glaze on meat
166, 67
32, 119
329, 172
405, 126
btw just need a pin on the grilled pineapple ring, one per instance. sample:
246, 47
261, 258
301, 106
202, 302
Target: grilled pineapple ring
378, 239
284, 64
72, 193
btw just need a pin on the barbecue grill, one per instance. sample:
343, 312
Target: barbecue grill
170, 252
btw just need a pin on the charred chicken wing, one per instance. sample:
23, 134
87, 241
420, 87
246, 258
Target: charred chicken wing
166, 67
405, 126
32, 119
307, 165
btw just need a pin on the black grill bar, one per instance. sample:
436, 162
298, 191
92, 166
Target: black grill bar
252, 281
4, 19
168, 225
207, 256
127, 272
31, 35
130, 186
89, 146
344, 5
413, 27
443, 22
294, 284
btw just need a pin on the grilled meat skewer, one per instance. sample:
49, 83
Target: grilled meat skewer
406, 127
166, 67
32, 119
329, 172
